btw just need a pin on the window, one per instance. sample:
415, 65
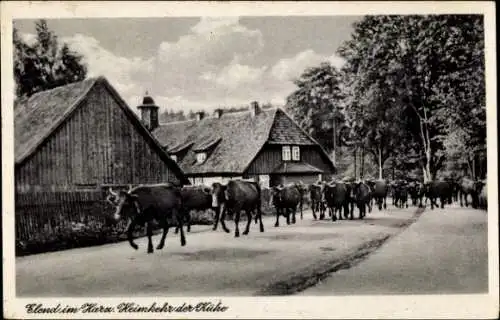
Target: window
174, 157
296, 153
201, 157
285, 153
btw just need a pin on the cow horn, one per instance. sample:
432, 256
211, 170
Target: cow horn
112, 192
108, 199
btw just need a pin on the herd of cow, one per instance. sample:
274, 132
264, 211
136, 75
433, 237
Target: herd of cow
167, 202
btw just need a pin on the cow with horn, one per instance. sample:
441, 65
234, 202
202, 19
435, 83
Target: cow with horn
143, 204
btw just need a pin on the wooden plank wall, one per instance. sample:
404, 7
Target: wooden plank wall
270, 158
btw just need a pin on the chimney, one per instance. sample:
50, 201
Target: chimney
149, 112
218, 113
254, 108
200, 115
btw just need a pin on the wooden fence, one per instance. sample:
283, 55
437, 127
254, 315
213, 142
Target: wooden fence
47, 221
50, 212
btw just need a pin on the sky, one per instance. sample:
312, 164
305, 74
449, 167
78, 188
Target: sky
202, 63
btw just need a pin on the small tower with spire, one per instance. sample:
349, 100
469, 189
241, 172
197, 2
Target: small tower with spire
149, 112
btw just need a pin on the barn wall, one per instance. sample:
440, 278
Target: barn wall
97, 145
269, 158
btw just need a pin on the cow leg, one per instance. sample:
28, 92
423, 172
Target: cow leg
385, 202
443, 200
294, 212
461, 199
217, 215
222, 218
165, 227
277, 218
301, 211
236, 223
261, 225
149, 230
175, 213
130, 233
332, 213
249, 221
313, 209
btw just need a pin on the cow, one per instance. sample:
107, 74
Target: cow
336, 197
400, 193
416, 192
483, 195
380, 190
371, 184
195, 198
286, 199
143, 204
234, 197
455, 189
361, 196
438, 189
317, 203
470, 187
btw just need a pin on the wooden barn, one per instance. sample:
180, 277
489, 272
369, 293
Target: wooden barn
266, 145
71, 143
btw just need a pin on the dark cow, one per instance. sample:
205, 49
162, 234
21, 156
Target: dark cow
234, 197
483, 195
416, 192
197, 198
145, 203
336, 197
455, 189
438, 189
362, 198
371, 184
317, 203
380, 190
400, 193
470, 187
286, 199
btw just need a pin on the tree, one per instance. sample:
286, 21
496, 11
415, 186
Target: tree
316, 104
427, 70
46, 64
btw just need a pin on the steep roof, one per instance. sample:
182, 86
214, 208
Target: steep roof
37, 117
232, 141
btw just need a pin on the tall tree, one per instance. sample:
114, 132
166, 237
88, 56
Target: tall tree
46, 63
316, 104
422, 66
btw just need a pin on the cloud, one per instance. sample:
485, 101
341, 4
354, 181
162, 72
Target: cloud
130, 76
211, 66
28, 38
289, 68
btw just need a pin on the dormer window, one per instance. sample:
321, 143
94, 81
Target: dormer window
285, 153
201, 157
296, 153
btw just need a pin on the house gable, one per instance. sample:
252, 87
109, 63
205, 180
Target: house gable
83, 146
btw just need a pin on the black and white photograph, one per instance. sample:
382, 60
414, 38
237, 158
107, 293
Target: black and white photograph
249, 160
